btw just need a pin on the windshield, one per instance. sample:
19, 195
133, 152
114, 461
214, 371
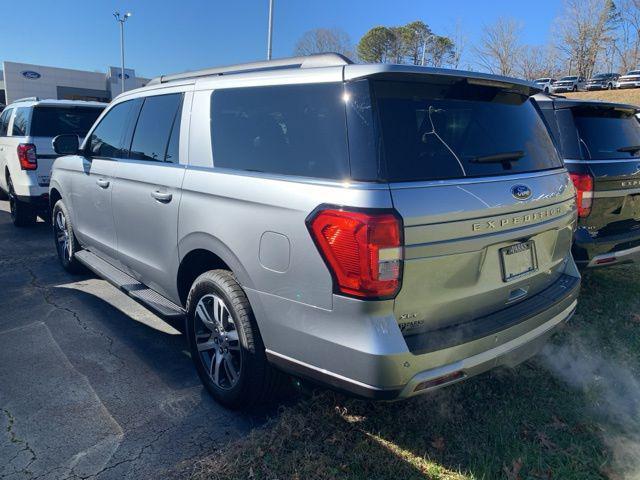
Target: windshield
600, 75
542, 80
607, 133
52, 121
449, 128
634, 72
568, 78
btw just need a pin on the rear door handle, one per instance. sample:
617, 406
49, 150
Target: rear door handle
161, 196
102, 183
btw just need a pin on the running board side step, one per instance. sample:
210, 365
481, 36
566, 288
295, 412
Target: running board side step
142, 294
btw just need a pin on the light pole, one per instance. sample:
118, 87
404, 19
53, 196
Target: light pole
270, 34
121, 20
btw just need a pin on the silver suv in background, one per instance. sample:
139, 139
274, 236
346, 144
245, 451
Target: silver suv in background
568, 84
27, 128
603, 81
629, 80
385, 230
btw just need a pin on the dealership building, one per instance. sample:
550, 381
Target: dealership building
20, 80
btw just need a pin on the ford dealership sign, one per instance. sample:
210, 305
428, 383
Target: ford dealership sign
31, 75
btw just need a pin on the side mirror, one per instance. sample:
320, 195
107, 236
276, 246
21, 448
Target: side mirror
67, 144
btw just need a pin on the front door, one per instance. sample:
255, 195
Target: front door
92, 187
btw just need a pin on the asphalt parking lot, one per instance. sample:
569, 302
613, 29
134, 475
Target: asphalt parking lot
91, 384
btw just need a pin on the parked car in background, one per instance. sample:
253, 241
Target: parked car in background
603, 81
600, 143
544, 84
259, 202
568, 84
629, 80
27, 128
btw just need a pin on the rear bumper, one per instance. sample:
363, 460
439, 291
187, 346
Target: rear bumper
612, 250
370, 358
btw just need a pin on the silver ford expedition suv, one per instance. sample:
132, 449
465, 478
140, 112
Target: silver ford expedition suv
381, 229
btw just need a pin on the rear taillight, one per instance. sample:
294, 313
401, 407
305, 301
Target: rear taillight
362, 249
584, 192
27, 156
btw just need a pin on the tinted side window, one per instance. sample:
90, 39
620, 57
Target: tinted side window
4, 121
109, 138
153, 130
291, 130
20, 122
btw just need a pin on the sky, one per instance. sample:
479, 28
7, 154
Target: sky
165, 36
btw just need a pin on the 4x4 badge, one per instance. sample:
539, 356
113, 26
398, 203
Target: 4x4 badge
521, 192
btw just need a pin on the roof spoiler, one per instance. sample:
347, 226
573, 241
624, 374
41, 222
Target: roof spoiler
311, 61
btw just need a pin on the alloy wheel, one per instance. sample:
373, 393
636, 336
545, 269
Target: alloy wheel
217, 341
63, 241
12, 198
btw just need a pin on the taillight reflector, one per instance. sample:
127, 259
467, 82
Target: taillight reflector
362, 249
584, 192
27, 156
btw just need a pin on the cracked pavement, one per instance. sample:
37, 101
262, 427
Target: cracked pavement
92, 385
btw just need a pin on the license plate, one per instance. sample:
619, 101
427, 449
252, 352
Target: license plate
518, 260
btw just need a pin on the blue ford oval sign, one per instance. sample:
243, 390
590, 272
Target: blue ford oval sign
126, 76
521, 192
31, 75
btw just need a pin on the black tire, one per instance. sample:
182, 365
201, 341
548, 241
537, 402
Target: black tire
257, 382
22, 214
3, 195
575, 88
60, 226
609, 86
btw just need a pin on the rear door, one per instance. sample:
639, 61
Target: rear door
4, 146
488, 208
147, 194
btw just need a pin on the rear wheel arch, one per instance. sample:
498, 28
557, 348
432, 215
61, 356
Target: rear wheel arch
54, 196
204, 254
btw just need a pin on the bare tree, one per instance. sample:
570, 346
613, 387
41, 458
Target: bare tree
459, 43
500, 46
538, 61
627, 43
321, 40
584, 30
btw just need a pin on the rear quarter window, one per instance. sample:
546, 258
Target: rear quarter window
288, 129
20, 122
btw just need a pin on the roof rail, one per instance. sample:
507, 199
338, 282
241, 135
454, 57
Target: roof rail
311, 61
27, 99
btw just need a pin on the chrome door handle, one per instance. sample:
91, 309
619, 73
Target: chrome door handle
102, 183
161, 196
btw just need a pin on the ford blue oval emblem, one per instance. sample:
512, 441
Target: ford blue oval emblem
126, 76
31, 75
520, 192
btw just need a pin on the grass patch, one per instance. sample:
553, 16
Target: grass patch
631, 95
570, 413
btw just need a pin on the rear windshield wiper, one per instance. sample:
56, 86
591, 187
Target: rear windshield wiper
504, 157
631, 149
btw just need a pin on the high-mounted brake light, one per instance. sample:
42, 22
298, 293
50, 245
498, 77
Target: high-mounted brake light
363, 250
584, 192
27, 156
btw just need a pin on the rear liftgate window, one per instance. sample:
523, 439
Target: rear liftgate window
449, 128
288, 130
52, 121
607, 133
